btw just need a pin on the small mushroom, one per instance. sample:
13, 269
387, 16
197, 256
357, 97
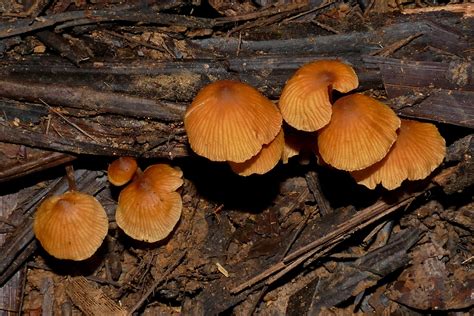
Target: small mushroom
122, 170
360, 133
419, 149
305, 102
230, 121
149, 208
264, 161
71, 226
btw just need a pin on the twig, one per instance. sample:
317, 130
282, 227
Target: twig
390, 49
312, 180
135, 41
75, 18
156, 283
261, 13
325, 27
71, 178
324, 5
69, 122
90, 99
466, 8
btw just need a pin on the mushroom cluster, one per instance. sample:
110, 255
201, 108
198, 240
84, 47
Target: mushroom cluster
357, 133
231, 121
73, 225
149, 207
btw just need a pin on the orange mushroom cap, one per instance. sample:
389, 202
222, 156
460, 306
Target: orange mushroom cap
122, 170
305, 100
419, 149
360, 133
71, 226
231, 121
264, 161
149, 208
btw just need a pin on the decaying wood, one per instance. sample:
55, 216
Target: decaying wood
76, 18
85, 98
351, 279
34, 160
129, 99
90, 300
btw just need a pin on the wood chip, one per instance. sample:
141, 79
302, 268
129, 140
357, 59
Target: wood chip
90, 300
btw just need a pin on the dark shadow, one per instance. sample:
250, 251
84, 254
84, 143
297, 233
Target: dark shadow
75, 268
216, 182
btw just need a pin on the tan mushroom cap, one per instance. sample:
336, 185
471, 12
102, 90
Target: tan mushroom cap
305, 100
264, 161
230, 121
419, 149
122, 170
149, 208
71, 226
360, 133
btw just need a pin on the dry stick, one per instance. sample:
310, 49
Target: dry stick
71, 178
467, 9
69, 122
50, 160
314, 186
390, 49
71, 18
156, 283
324, 5
84, 98
135, 41
261, 13
359, 221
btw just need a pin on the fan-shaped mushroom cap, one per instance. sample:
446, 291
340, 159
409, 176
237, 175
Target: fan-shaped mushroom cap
419, 149
71, 226
149, 208
264, 161
360, 133
305, 100
122, 170
231, 121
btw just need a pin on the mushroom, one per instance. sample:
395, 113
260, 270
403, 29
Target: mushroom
122, 170
264, 161
360, 133
231, 121
149, 208
71, 226
305, 102
419, 149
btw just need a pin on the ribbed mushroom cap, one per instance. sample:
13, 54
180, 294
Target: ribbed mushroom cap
122, 170
149, 208
230, 121
71, 226
360, 133
419, 149
264, 161
305, 100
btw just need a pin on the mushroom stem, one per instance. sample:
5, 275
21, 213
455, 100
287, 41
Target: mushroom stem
71, 179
